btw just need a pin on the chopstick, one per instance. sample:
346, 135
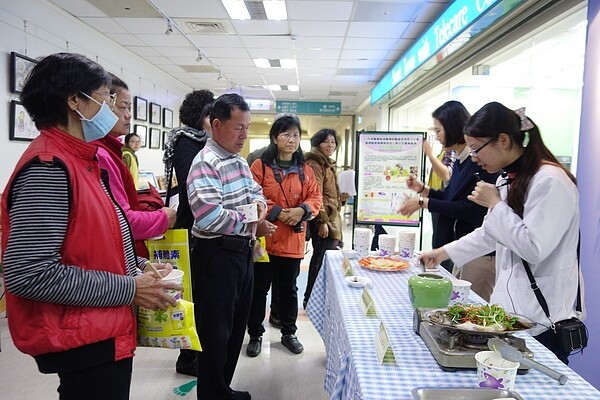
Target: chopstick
153, 268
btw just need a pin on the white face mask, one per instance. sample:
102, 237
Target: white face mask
100, 124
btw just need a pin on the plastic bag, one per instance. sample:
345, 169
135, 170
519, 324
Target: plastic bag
174, 328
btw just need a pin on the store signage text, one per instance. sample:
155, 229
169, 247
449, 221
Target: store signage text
457, 17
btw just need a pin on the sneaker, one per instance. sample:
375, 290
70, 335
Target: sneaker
254, 346
186, 367
274, 321
239, 395
292, 343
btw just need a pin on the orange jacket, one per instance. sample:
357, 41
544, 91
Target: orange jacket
291, 193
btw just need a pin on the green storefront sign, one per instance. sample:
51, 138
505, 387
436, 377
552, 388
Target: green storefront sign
309, 107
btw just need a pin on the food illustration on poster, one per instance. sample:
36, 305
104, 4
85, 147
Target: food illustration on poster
386, 159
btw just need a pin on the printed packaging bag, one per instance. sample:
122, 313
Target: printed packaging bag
173, 248
174, 328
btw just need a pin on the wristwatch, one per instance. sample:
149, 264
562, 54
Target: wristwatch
421, 201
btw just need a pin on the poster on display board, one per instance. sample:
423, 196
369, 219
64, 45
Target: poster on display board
383, 163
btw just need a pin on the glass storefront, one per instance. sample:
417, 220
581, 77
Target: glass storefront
542, 72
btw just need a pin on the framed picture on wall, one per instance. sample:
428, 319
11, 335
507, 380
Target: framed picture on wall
154, 113
140, 108
154, 138
142, 132
167, 118
21, 125
20, 66
165, 137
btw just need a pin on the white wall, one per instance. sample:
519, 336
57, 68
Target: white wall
38, 28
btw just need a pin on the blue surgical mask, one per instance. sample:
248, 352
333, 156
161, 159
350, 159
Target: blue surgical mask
100, 124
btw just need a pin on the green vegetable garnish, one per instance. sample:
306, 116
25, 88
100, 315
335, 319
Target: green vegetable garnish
485, 315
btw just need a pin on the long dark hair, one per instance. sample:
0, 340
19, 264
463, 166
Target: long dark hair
281, 125
492, 120
453, 116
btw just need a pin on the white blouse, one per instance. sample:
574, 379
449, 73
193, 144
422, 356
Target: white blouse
546, 237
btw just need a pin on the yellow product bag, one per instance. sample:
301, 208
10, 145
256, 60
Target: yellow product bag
174, 328
173, 248
260, 250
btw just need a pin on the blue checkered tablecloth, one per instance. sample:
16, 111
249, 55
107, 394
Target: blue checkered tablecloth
352, 370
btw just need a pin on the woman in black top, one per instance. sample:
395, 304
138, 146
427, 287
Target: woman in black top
183, 144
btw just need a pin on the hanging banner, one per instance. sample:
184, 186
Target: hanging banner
384, 162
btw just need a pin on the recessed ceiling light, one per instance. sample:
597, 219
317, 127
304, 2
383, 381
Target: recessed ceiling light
275, 88
275, 10
293, 88
236, 9
262, 62
288, 63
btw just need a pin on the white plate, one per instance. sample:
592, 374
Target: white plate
357, 281
350, 254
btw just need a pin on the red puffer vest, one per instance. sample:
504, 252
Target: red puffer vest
93, 241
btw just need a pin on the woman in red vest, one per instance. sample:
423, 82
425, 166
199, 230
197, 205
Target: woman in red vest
70, 268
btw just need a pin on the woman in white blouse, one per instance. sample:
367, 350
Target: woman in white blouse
533, 216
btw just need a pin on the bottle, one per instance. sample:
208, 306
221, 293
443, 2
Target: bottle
427, 290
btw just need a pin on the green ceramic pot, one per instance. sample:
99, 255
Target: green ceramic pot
429, 291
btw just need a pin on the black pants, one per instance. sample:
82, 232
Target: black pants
222, 299
274, 295
287, 273
320, 246
548, 339
105, 381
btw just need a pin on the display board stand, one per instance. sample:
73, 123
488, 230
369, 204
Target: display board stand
384, 160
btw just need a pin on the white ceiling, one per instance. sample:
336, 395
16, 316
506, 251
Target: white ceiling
341, 47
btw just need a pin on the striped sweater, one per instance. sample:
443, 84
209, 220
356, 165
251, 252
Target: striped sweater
219, 181
39, 216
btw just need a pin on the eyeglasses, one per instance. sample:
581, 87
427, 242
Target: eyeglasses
112, 97
288, 136
474, 152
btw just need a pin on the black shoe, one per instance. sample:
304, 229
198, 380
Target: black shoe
187, 367
274, 321
292, 343
254, 346
239, 395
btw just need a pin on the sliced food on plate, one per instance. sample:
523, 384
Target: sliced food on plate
480, 318
383, 263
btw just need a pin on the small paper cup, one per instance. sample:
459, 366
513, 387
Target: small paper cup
174, 276
406, 244
460, 292
249, 212
387, 244
495, 372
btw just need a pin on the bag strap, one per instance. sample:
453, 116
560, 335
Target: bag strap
169, 180
538, 293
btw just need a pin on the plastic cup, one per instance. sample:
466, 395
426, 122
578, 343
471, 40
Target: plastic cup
387, 244
460, 292
495, 372
249, 212
174, 276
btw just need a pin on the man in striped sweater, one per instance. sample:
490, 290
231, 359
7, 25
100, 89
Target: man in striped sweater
218, 181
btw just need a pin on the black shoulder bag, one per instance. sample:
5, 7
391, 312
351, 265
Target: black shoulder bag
571, 334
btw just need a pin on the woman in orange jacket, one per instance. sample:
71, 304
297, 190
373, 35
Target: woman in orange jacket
293, 197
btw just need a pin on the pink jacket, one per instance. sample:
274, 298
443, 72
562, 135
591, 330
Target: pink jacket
144, 224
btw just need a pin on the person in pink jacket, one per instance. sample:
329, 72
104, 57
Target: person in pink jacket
144, 224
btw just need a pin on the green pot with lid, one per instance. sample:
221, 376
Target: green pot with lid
428, 290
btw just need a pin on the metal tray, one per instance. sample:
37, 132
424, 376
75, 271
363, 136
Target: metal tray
439, 317
435, 393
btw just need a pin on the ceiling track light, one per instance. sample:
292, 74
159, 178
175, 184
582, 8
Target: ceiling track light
200, 57
220, 77
169, 28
